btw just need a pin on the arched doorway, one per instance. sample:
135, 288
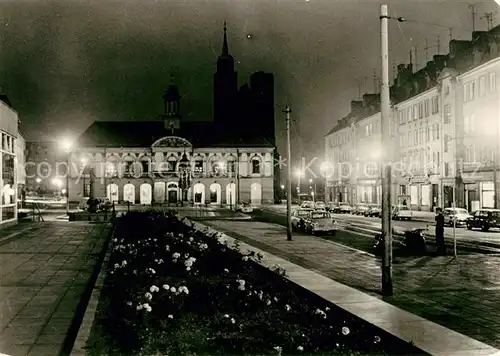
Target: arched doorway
231, 194
145, 194
199, 193
172, 192
112, 192
159, 192
215, 194
129, 193
256, 194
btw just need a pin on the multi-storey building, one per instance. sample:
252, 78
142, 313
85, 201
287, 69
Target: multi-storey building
9, 122
478, 126
419, 141
449, 128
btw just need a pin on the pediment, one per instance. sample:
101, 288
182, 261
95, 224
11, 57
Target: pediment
172, 141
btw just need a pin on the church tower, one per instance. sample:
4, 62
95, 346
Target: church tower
225, 89
172, 101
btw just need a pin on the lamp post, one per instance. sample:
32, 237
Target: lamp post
299, 174
313, 191
325, 170
184, 176
67, 145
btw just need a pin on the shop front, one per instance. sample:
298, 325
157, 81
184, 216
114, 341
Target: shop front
369, 192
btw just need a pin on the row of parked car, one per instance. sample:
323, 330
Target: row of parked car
399, 212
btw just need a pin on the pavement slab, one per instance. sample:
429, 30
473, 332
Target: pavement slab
461, 294
43, 274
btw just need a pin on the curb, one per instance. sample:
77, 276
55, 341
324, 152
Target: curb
80, 328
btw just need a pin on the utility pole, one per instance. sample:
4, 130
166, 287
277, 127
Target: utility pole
473, 12
438, 45
416, 59
387, 289
426, 50
287, 112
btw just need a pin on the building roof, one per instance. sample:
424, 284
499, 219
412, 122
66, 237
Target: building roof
145, 133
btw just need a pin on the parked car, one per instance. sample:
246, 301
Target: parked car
484, 219
373, 211
459, 215
320, 205
245, 208
343, 208
308, 204
320, 222
298, 218
401, 212
360, 209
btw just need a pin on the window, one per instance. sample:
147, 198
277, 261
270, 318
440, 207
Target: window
469, 124
437, 132
145, 165
409, 115
415, 112
428, 137
112, 169
8, 175
409, 139
469, 91
231, 166
86, 188
493, 81
198, 166
438, 160
482, 85
401, 140
426, 107
434, 159
447, 114
415, 140
446, 142
470, 154
446, 90
447, 169
421, 136
255, 166
401, 115
172, 165
421, 110
127, 169
435, 105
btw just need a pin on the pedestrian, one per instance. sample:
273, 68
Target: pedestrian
441, 248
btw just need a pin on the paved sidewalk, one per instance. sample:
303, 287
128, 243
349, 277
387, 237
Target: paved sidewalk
43, 273
461, 294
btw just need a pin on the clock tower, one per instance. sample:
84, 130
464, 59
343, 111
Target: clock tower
171, 116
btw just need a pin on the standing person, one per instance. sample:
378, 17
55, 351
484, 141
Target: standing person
441, 248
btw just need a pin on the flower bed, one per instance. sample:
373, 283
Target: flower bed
172, 290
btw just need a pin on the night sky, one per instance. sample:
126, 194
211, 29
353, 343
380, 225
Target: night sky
65, 64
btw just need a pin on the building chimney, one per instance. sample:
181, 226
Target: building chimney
356, 107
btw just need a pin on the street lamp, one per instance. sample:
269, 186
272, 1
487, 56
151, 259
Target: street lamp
326, 171
66, 146
313, 192
299, 175
38, 180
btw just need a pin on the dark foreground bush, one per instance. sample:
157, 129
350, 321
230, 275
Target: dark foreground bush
173, 290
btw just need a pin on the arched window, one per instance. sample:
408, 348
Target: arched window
128, 162
112, 167
256, 165
172, 164
146, 165
231, 164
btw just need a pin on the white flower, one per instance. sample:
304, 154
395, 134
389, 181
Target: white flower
167, 248
233, 321
183, 289
376, 339
170, 316
186, 255
188, 269
300, 348
114, 240
117, 265
156, 260
124, 263
226, 270
287, 307
226, 315
153, 289
176, 255
245, 258
191, 239
134, 271
278, 348
160, 261
173, 289
139, 307
345, 330
148, 296
268, 302
241, 287
166, 286
129, 304
147, 307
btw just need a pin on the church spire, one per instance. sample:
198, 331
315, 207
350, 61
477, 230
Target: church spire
225, 47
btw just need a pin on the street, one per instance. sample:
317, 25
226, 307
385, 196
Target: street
462, 234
